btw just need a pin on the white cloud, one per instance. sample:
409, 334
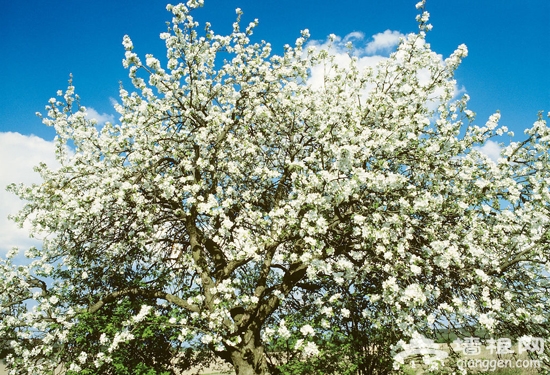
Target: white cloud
369, 55
341, 56
92, 114
383, 42
491, 149
356, 35
19, 154
113, 101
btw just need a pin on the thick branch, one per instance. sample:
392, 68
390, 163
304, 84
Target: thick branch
266, 268
14, 302
198, 257
143, 293
521, 257
37, 283
293, 276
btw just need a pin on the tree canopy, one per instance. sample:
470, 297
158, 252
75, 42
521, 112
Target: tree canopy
231, 189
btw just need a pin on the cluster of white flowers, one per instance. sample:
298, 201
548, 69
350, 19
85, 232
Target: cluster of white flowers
307, 330
283, 330
120, 337
309, 348
226, 184
145, 310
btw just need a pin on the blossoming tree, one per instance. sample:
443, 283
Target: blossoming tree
229, 185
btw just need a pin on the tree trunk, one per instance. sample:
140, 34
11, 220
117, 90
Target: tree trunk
249, 361
248, 358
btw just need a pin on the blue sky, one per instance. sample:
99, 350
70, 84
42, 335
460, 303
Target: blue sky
508, 67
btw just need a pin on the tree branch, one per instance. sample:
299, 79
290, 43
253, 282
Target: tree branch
143, 293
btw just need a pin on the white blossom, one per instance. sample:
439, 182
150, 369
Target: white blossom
235, 177
145, 310
307, 330
310, 349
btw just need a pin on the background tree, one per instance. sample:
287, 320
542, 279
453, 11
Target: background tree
229, 184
